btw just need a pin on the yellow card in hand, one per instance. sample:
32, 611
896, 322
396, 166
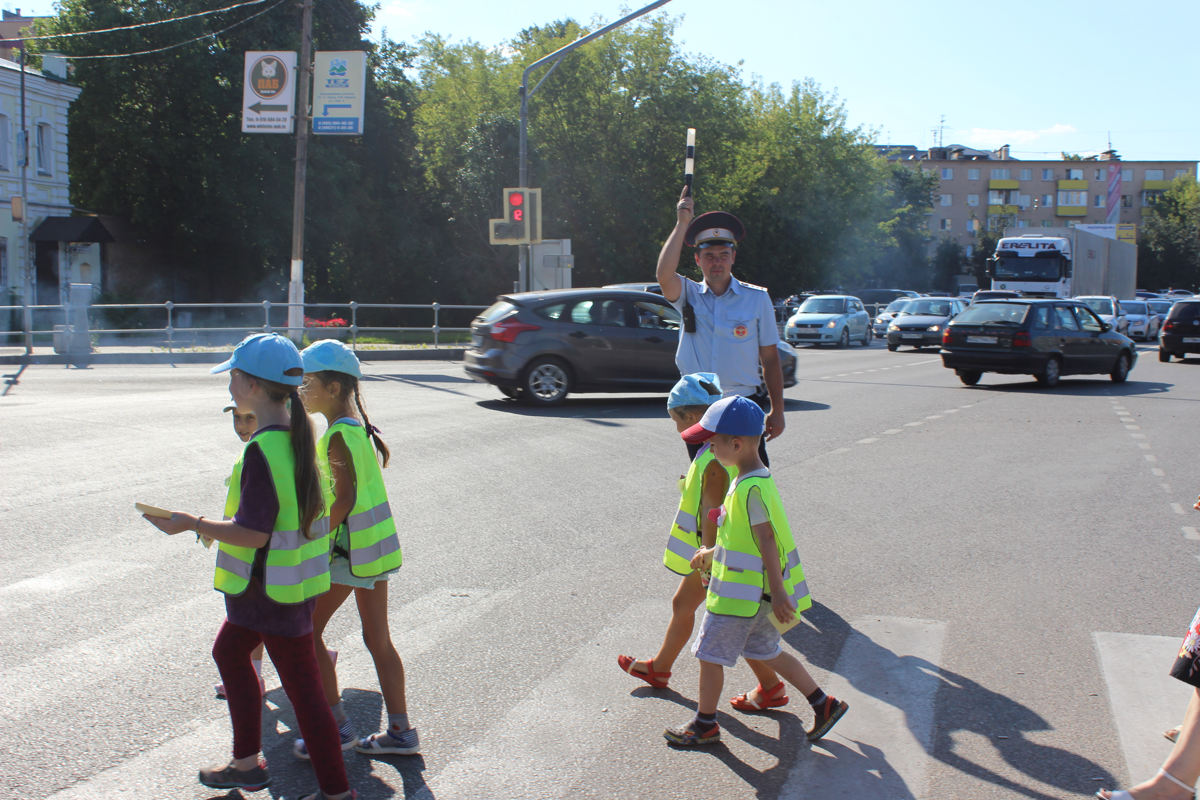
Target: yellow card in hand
784, 627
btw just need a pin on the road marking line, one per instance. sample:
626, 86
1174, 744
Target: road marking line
950, 411
1150, 457
1177, 508
1144, 445
934, 416
1191, 533
1157, 472
914, 424
1133, 427
839, 450
1145, 700
887, 672
893, 431
870, 440
1137, 436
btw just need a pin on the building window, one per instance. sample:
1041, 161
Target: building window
1098, 200
1181, 173
1150, 196
1072, 198
1074, 174
5, 132
4, 265
1047, 174
947, 173
947, 200
972, 225
1154, 175
1126, 201
43, 148
1126, 174
1047, 223
1023, 201
1026, 174
1099, 174
972, 199
945, 224
997, 197
1001, 174
1022, 223
1047, 200
972, 174
970, 250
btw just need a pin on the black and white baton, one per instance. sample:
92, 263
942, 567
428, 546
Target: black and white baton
689, 161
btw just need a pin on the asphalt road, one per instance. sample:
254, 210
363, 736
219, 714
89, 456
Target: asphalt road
1002, 576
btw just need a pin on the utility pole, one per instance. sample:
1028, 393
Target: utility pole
27, 262
296, 284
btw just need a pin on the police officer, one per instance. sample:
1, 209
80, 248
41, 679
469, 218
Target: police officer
728, 326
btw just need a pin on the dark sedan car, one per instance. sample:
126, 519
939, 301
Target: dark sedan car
539, 346
1044, 338
1180, 332
921, 321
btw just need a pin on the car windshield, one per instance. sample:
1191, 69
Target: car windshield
897, 305
993, 314
1133, 307
824, 305
928, 308
1101, 305
1159, 306
1016, 268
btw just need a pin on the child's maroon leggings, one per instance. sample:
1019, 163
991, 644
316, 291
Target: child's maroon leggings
296, 663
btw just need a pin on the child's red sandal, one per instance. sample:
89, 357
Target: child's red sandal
656, 679
773, 698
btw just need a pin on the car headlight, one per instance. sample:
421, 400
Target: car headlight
893, 327
833, 323
934, 328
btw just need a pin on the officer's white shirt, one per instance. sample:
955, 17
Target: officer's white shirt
729, 330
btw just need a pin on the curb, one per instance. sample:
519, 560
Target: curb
216, 357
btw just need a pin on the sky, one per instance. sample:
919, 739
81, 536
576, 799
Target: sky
1042, 77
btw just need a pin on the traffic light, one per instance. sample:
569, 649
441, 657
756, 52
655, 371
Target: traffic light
522, 222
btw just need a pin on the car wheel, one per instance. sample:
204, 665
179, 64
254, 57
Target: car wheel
893, 347
547, 381
969, 377
1120, 370
512, 392
845, 340
867, 336
1164, 356
1050, 373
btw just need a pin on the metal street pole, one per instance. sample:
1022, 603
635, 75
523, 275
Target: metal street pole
523, 278
296, 284
28, 294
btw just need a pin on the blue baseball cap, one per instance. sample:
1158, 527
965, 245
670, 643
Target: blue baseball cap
732, 416
696, 389
330, 355
268, 356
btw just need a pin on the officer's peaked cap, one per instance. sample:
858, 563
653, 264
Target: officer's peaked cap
715, 227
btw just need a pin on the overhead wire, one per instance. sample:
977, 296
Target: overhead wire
137, 25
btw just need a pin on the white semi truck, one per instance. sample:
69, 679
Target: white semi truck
1066, 262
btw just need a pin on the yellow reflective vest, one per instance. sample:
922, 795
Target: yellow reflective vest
684, 538
296, 568
374, 548
738, 581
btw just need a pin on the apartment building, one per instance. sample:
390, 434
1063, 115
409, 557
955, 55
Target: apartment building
990, 190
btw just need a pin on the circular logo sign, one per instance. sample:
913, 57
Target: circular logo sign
268, 77
740, 331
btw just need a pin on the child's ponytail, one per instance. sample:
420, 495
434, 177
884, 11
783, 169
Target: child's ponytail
371, 429
309, 498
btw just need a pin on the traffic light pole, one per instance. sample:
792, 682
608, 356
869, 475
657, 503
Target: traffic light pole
523, 278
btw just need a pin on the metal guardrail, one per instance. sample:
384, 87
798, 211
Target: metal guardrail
173, 336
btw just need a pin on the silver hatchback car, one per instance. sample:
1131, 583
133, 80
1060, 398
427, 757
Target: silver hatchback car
539, 346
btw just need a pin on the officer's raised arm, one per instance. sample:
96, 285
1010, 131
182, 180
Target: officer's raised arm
668, 257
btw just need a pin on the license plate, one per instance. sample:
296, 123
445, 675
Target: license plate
1191, 339
910, 336
981, 340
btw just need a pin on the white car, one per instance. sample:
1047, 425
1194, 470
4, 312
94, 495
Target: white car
1108, 309
1143, 323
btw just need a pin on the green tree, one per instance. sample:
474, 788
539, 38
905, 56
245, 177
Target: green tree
903, 260
948, 260
1169, 244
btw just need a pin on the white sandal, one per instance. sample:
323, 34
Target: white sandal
1122, 794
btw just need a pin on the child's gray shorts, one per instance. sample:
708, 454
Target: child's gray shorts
723, 638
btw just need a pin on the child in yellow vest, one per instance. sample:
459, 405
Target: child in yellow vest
703, 488
272, 562
365, 547
756, 576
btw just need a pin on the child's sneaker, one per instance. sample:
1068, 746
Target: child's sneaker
689, 736
827, 716
347, 733
227, 777
405, 743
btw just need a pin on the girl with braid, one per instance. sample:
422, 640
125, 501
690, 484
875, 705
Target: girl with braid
365, 548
